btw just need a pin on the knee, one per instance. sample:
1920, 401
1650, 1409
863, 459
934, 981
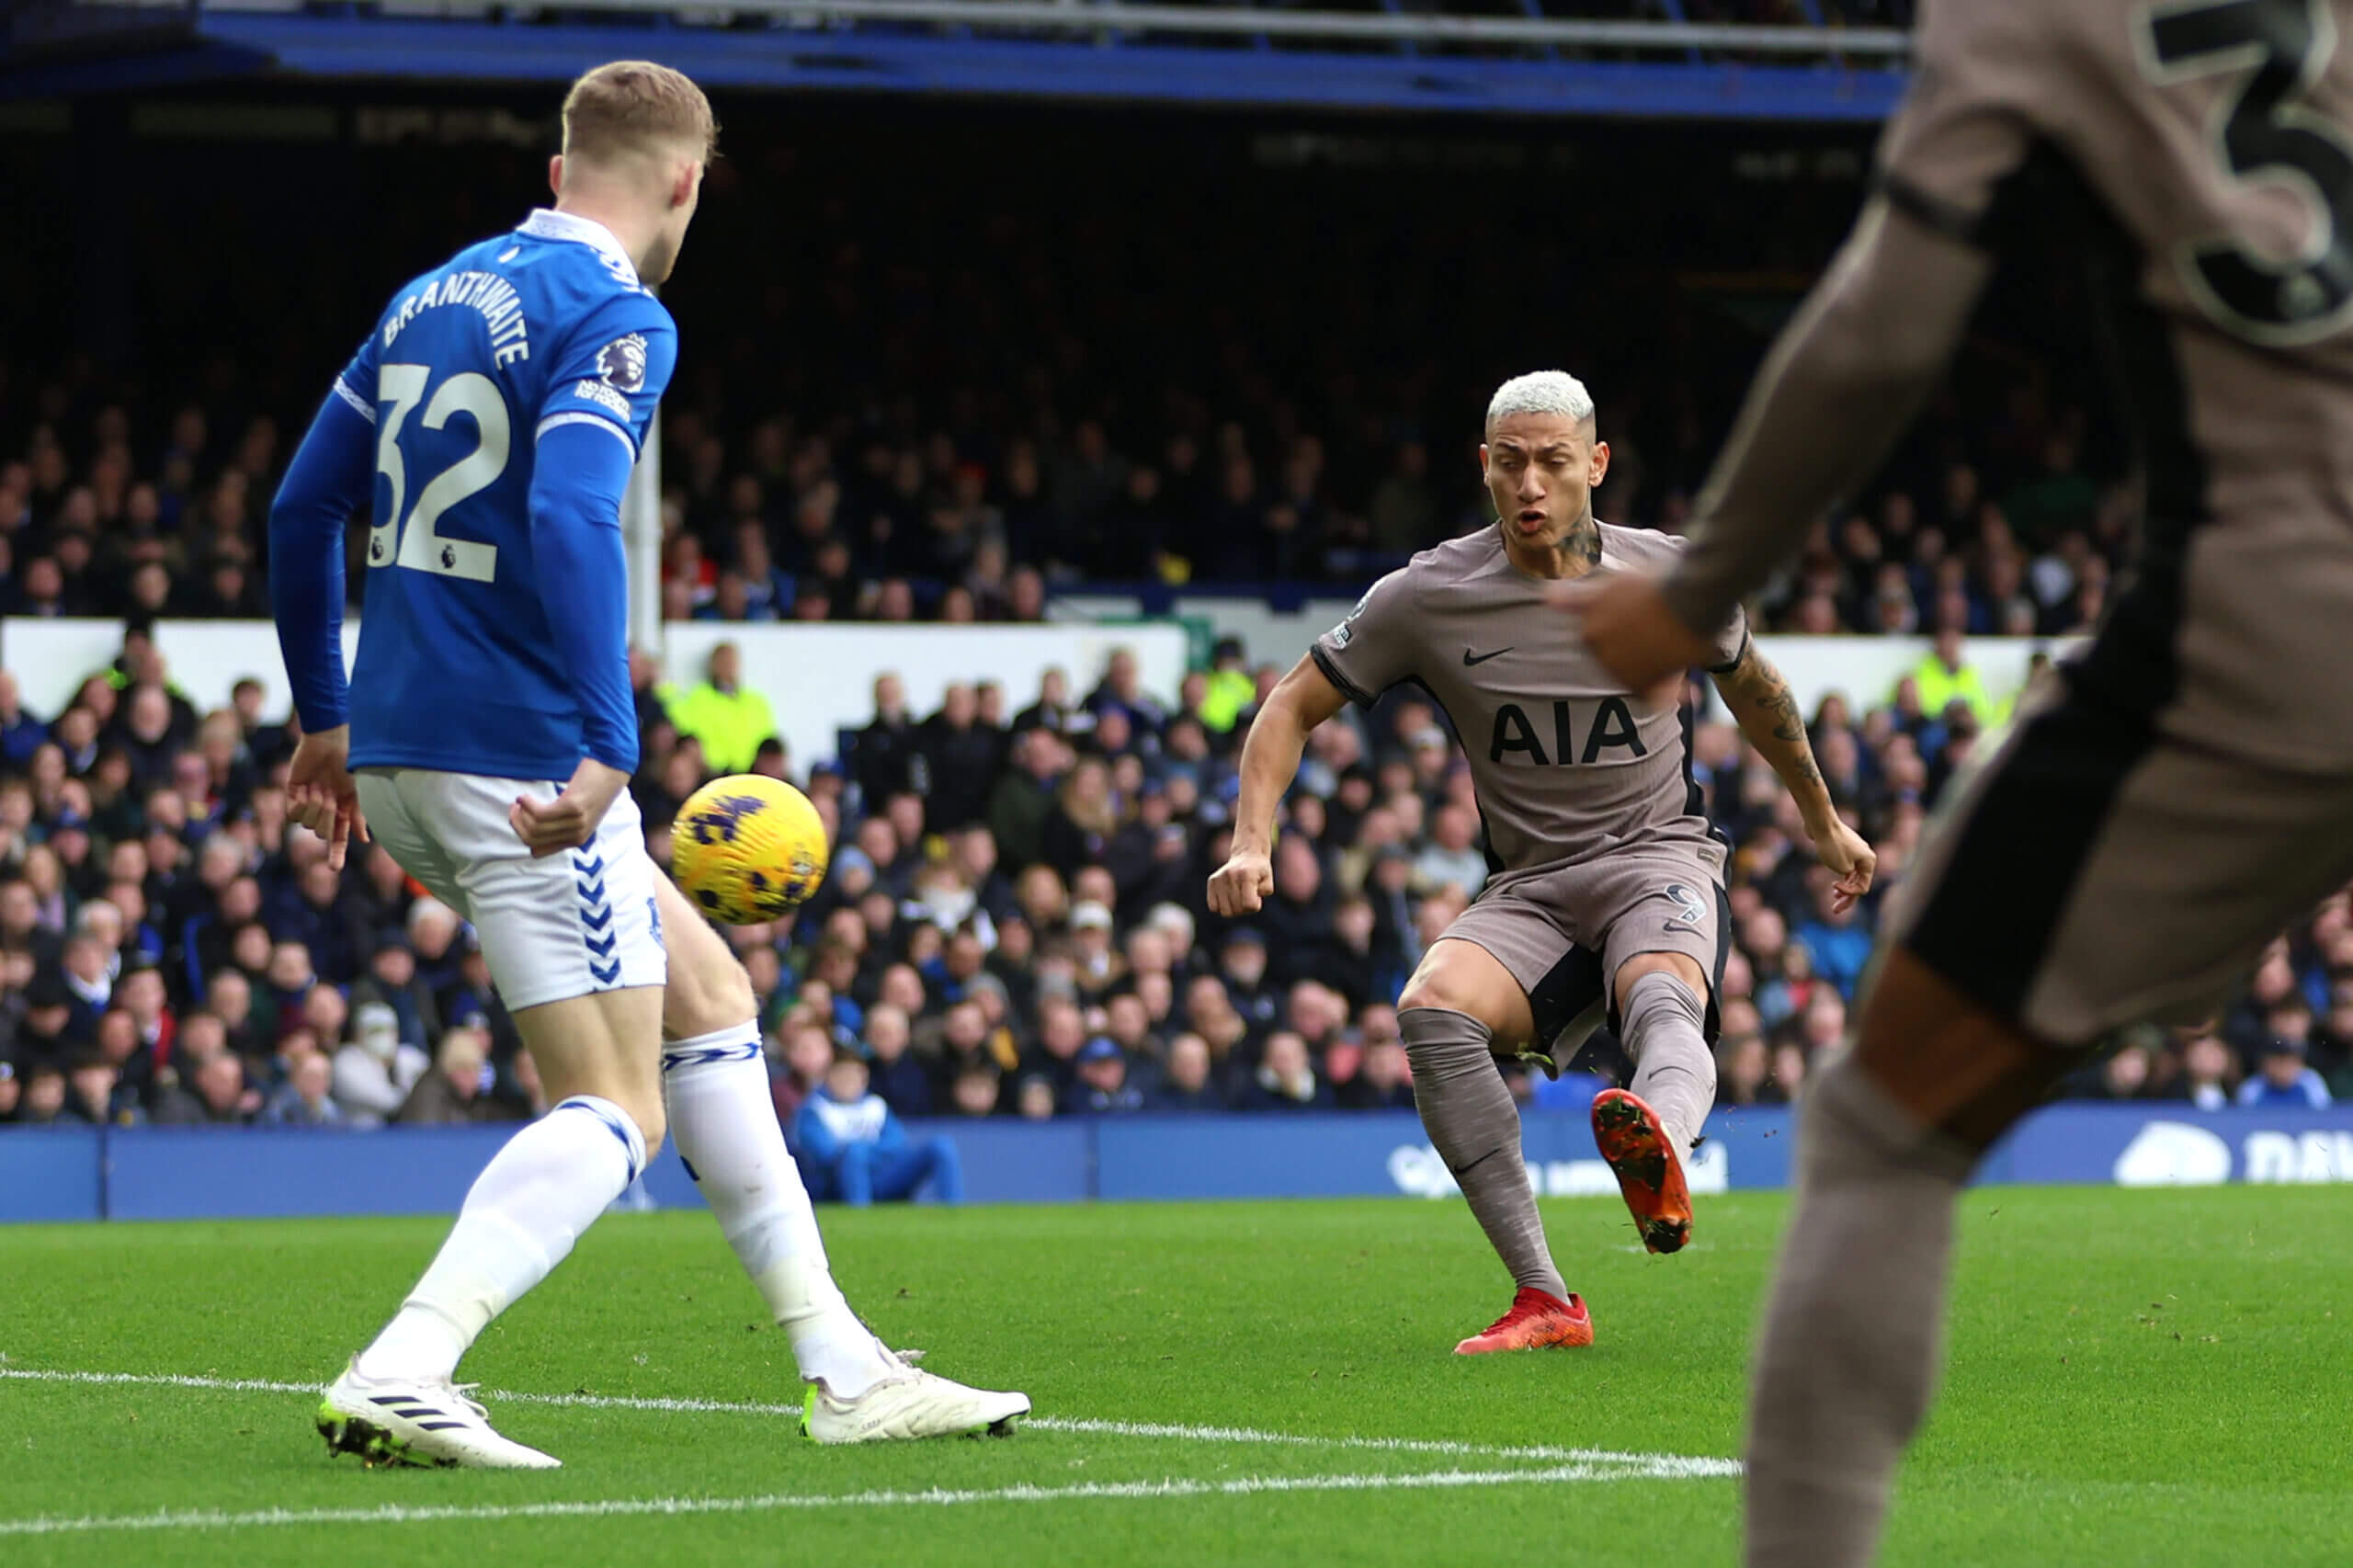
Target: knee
1854, 1129
1457, 976
1661, 997
1665, 976
709, 991
644, 1116
653, 1124
1442, 988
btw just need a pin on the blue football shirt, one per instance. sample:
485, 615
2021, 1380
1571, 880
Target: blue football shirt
478, 620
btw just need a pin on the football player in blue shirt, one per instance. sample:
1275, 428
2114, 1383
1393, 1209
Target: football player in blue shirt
487, 736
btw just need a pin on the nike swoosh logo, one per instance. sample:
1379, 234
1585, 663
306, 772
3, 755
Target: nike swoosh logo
1468, 658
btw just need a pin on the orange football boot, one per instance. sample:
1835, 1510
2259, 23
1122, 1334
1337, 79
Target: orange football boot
1649, 1169
1536, 1320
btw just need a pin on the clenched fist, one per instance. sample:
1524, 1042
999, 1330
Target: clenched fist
1242, 884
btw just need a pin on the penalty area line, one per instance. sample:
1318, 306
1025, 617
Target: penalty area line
1127, 1491
1659, 1466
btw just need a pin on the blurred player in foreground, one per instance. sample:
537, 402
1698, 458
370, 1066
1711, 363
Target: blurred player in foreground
1607, 892
2171, 799
489, 735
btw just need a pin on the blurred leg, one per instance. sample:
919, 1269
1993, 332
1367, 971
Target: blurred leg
1889, 1135
857, 1173
947, 1171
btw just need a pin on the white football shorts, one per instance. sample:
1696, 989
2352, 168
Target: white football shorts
567, 926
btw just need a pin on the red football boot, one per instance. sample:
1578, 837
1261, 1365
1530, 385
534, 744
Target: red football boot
1649, 1169
1535, 1320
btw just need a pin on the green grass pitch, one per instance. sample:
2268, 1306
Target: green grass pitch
2137, 1378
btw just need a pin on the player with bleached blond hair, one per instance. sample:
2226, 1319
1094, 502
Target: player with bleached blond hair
1606, 892
487, 736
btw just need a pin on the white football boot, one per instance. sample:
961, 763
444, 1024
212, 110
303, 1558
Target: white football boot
393, 1421
907, 1405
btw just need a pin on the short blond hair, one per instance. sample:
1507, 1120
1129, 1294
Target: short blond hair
629, 105
1542, 392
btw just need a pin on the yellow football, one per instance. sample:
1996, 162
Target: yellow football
747, 848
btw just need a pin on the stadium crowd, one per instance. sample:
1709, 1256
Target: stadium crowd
1012, 924
779, 524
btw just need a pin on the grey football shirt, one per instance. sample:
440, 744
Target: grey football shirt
1568, 766
2205, 148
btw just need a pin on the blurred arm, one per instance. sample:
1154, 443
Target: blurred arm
1840, 386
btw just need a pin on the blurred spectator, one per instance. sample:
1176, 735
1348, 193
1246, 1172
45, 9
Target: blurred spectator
1286, 1078
220, 1096
1186, 1084
43, 1101
2284, 1079
853, 1149
960, 755
1023, 797
21, 734
1744, 1065
898, 1079
1103, 1086
2206, 1072
887, 755
727, 718
1034, 1098
92, 1099
1382, 1081
304, 1100
976, 1088
1944, 677
373, 1075
1227, 689
1835, 939
2124, 1075
1123, 692
1452, 858
458, 1088
806, 1050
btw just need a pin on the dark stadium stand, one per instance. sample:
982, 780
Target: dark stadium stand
935, 381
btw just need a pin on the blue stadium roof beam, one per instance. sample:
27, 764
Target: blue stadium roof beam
1158, 53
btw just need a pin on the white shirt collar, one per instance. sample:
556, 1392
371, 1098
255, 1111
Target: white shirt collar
547, 223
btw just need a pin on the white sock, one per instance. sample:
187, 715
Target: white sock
726, 1130
525, 1211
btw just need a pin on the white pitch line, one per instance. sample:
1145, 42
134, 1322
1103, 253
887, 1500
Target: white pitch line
402, 1515
1659, 1465
264, 1385
1680, 1464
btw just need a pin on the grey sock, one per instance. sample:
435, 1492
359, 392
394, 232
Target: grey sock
1474, 1126
1675, 1073
1853, 1335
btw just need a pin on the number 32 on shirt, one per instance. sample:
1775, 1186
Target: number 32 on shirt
414, 542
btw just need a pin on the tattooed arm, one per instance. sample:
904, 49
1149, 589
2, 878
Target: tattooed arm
1766, 711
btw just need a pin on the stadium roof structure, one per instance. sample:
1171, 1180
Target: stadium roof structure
1210, 54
